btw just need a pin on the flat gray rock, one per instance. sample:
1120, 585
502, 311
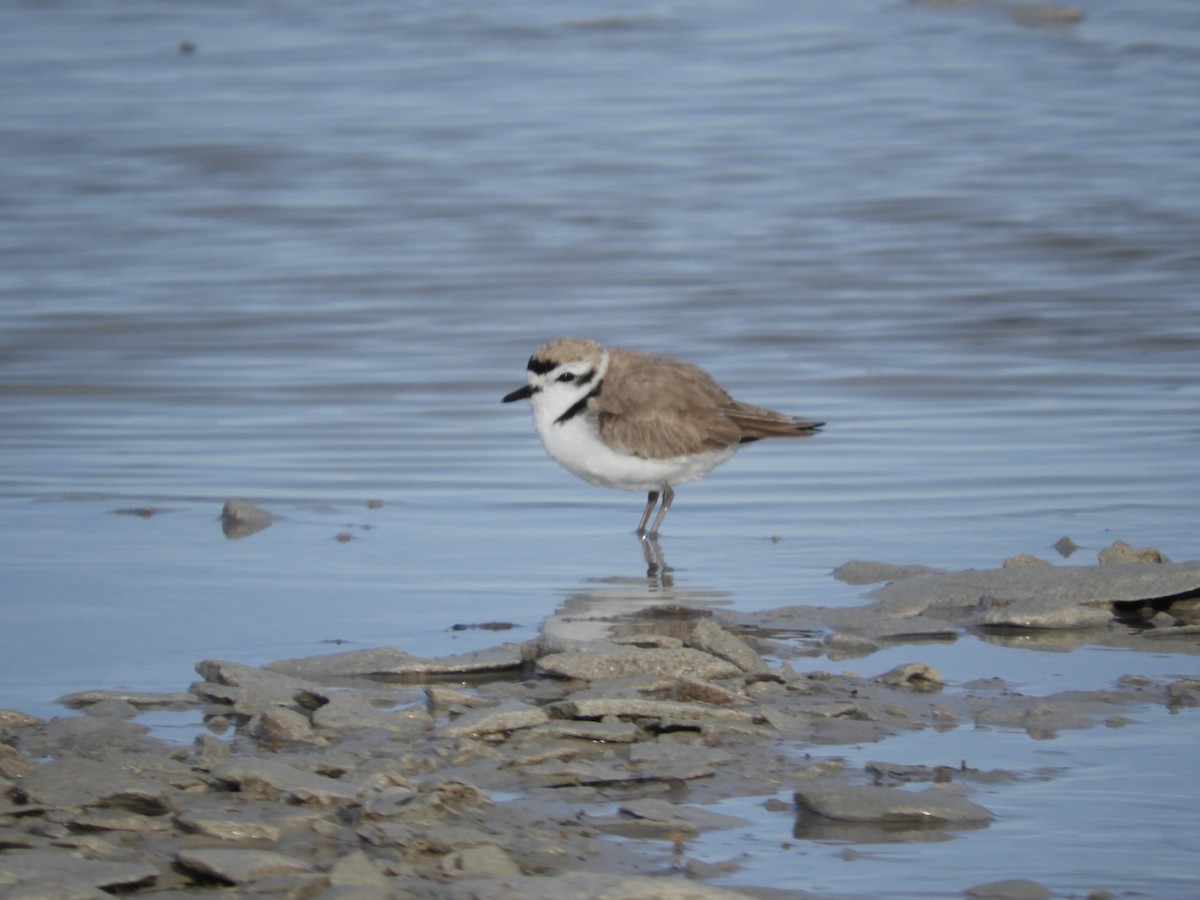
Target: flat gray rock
595, 886
231, 829
355, 870
711, 638
859, 571
501, 720
344, 711
138, 699
935, 806
387, 661
238, 866
1011, 889
602, 660
668, 815
587, 730
1036, 612
482, 861
54, 874
1096, 586
671, 761
76, 782
249, 689
271, 778
282, 725
632, 707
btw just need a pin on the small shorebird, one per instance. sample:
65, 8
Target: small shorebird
623, 419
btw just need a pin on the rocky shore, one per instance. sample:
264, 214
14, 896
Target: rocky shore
556, 768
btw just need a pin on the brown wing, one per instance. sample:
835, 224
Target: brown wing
754, 422
659, 408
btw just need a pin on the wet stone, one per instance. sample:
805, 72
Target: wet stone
668, 760
115, 820
87, 736
601, 660
843, 646
482, 861
13, 763
76, 782
392, 663
346, 712
356, 870
501, 720
864, 572
938, 805
283, 725
231, 829
139, 699
1011, 889
238, 866
1120, 552
240, 518
56, 875
599, 708
912, 676
1037, 612
270, 778
700, 691
1025, 559
11, 718
710, 638
616, 732
440, 697
662, 816
1085, 585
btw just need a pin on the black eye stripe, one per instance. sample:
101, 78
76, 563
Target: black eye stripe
587, 377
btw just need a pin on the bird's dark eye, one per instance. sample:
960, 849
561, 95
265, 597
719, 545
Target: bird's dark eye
566, 376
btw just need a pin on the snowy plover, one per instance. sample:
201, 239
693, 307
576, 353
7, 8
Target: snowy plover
623, 419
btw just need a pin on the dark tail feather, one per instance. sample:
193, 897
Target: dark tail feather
756, 423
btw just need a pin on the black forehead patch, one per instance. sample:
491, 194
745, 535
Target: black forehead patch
539, 366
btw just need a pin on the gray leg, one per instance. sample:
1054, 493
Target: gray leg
668, 496
650, 501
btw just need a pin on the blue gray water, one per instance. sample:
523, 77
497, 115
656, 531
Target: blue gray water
296, 253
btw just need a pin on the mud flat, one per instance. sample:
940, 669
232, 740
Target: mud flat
510, 773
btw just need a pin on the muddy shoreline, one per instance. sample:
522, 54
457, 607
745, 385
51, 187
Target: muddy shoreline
565, 768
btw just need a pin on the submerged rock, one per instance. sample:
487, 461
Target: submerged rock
863, 572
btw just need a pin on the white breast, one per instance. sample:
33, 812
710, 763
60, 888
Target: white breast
577, 447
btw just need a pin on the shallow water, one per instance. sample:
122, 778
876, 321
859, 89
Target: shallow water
1058, 825
301, 264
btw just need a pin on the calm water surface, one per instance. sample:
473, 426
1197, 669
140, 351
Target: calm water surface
300, 260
